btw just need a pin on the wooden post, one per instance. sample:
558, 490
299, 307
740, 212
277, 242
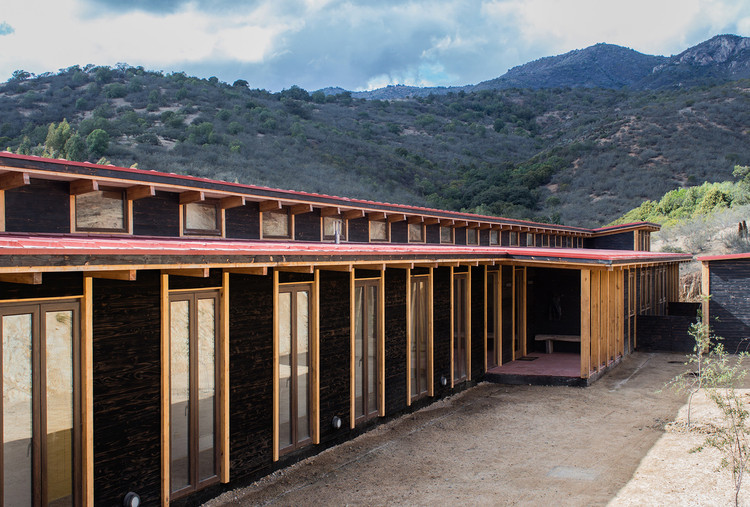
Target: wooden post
468, 324
620, 294
275, 380
499, 316
595, 319
224, 379
316, 358
381, 342
409, 337
430, 345
484, 307
705, 291
585, 323
452, 329
165, 389
352, 343
612, 320
87, 398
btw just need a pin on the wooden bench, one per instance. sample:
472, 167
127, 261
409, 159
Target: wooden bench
549, 338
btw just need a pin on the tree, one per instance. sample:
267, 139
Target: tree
97, 142
240, 83
75, 148
57, 136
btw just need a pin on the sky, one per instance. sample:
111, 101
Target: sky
353, 44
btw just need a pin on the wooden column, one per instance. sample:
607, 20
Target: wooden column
352, 359
87, 396
452, 328
430, 345
409, 337
315, 412
612, 319
585, 323
468, 324
620, 274
381, 342
224, 379
705, 291
485, 318
275, 380
595, 320
165, 387
499, 317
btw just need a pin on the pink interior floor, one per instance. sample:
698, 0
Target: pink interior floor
558, 364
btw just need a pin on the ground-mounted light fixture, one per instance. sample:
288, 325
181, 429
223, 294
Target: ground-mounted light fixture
131, 500
443, 381
336, 422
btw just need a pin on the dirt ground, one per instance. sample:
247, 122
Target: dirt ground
519, 445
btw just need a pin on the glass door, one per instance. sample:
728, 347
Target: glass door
460, 323
365, 349
419, 336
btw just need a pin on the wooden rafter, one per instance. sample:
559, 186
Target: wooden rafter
415, 219
265, 206
125, 274
330, 211
396, 217
192, 272
299, 209
140, 191
431, 221
260, 271
377, 216
12, 180
297, 269
79, 187
22, 278
233, 201
192, 196
353, 214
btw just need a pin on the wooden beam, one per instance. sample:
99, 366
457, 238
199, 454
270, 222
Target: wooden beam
87, 394
223, 387
269, 206
233, 201
79, 187
296, 269
165, 391
472, 225
397, 217
139, 192
353, 214
345, 268
192, 196
352, 348
485, 226
585, 323
447, 222
425, 264
460, 223
330, 211
407, 265
377, 216
371, 267
415, 219
453, 264
13, 180
315, 353
260, 271
300, 209
192, 272
431, 221
126, 274
22, 278
275, 415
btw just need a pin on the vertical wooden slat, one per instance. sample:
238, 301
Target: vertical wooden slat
275, 379
87, 402
316, 357
72, 213
452, 328
513, 313
430, 344
595, 319
165, 387
468, 324
620, 312
2, 210
612, 320
705, 290
485, 318
499, 316
352, 360
381, 342
585, 323
129, 215
409, 337
224, 378
524, 327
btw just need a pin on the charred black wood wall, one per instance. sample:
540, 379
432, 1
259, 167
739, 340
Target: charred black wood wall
433, 233
157, 216
127, 380
729, 309
41, 206
484, 237
359, 230
307, 226
507, 316
243, 222
334, 353
395, 340
441, 328
621, 241
251, 373
400, 232
54, 285
664, 333
477, 321
460, 235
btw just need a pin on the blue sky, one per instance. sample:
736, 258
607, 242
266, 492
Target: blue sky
355, 44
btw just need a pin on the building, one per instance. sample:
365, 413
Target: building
174, 336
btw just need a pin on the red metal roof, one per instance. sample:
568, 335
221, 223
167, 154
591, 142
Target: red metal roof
301, 195
55, 245
725, 257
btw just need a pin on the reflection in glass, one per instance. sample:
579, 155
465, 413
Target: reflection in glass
276, 224
179, 394
419, 330
446, 235
100, 210
303, 362
372, 292
358, 350
285, 369
17, 409
201, 216
206, 387
378, 231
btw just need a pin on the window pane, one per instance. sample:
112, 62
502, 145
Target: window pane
59, 390
206, 387
179, 393
100, 210
200, 216
446, 235
471, 237
358, 352
378, 231
303, 425
494, 237
285, 369
414, 338
17, 409
276, 224
415, 233
372, 347
330, 224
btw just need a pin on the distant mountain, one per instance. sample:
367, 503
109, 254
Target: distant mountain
718, 60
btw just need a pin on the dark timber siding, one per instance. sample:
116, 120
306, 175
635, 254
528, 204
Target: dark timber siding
127, 386
41, 206
441, 329
477, 322
621, 241
460, 235
400, 232
395, 340
729, 304
484, 237
157, 216
54, 285
334, 353
307, 226
251, 373
243, 222
359, 230
433, 233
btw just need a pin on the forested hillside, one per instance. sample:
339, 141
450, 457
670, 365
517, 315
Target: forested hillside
581, 156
